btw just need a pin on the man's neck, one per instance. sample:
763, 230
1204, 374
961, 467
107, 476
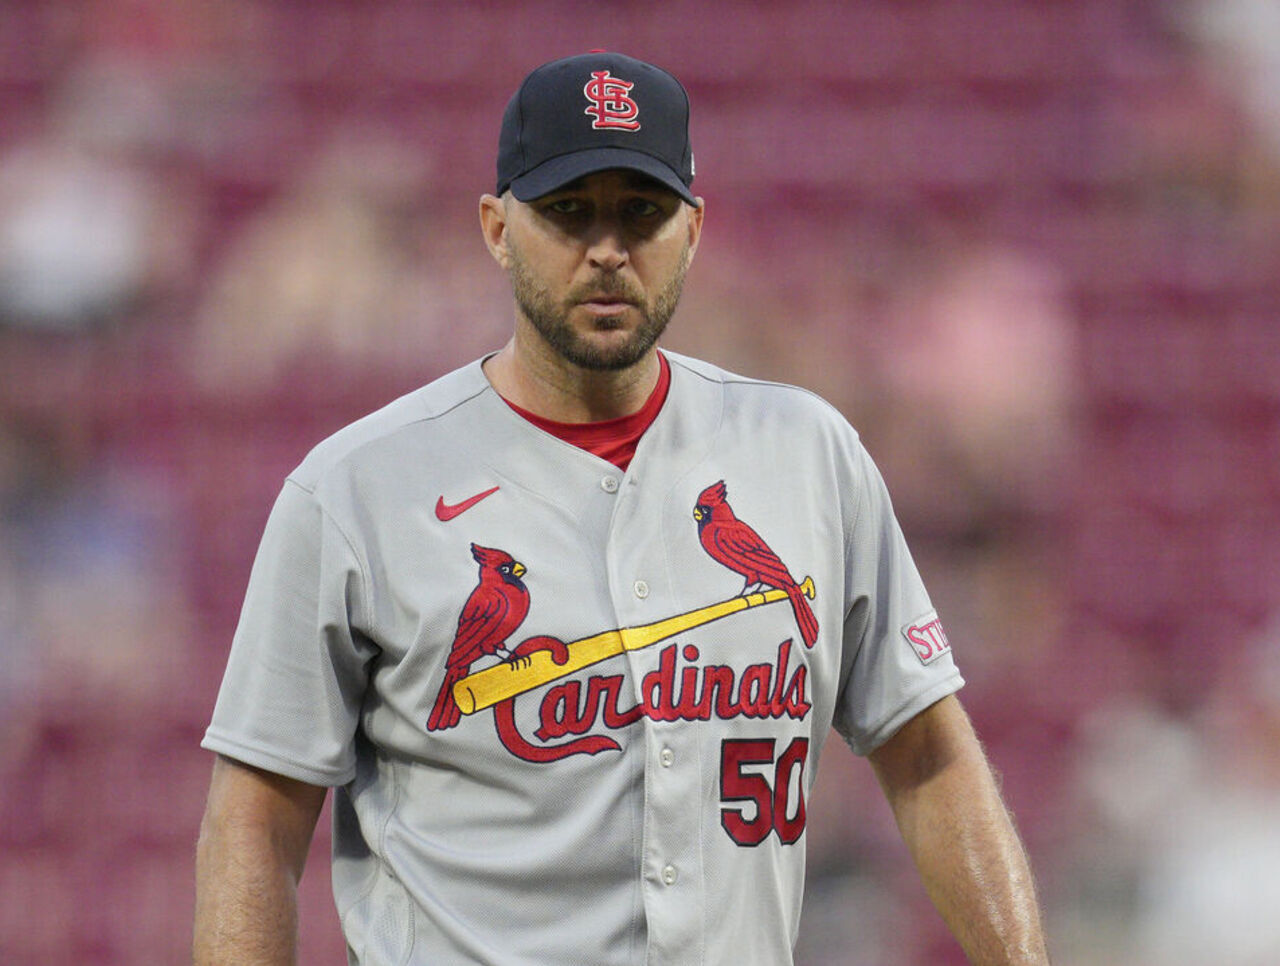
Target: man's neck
555, 389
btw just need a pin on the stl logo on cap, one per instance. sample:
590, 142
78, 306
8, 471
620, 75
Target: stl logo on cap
611, 105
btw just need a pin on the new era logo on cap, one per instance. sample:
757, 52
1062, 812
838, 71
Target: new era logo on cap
635, 116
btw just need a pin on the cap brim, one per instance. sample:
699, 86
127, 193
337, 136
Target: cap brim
557, 172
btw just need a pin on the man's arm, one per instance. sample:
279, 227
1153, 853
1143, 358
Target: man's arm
948, 808
253, 844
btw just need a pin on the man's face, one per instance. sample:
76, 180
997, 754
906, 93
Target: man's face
597, 267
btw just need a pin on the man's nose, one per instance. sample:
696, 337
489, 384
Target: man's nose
606, 249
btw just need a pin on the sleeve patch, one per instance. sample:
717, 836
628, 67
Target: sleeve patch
927, 638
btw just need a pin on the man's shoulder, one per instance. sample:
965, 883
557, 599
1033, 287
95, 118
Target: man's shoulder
418, 409
747, 395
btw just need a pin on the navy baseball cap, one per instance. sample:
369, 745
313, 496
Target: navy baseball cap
595, 112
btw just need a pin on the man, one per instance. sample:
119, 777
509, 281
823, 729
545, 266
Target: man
567, 629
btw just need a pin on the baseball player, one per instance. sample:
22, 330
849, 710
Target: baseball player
566, 630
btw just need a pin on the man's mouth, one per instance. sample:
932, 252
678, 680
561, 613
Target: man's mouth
605, 304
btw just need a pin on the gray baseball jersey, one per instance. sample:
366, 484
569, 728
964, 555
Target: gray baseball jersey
574, 713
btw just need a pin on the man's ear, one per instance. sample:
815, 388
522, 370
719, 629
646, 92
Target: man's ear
493, 225
696, 214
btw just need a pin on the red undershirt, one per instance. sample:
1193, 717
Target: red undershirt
614, 440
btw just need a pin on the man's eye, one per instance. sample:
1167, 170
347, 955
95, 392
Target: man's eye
565, 206
643, 208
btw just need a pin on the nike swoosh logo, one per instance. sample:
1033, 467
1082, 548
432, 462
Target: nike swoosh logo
446, 511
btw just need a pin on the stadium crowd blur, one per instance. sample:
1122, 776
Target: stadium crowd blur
1030, 247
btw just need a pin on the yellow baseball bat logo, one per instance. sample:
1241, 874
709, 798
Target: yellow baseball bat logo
483, 689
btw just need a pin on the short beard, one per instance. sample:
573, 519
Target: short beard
551, 320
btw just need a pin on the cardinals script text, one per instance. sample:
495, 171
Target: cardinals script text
671, 692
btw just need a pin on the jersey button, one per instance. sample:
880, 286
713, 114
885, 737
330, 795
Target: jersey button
669, 875
641, 589
609, 484
667, 757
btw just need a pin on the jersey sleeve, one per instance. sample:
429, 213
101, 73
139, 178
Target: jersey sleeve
896, 661
291, 694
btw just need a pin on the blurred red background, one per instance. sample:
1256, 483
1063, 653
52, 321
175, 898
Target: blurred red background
1031, 249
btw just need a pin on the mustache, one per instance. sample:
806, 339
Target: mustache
606, 286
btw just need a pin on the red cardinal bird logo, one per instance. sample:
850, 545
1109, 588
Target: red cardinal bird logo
733, 543
491, 614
